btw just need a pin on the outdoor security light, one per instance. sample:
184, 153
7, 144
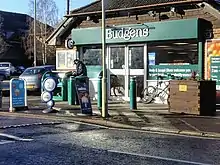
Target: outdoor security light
172, 10
88, 18
152, 13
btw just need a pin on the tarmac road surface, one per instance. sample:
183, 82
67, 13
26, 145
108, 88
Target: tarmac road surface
80, 144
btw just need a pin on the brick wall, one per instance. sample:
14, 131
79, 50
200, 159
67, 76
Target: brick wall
216, 33
192, 13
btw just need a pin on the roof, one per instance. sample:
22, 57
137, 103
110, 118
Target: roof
14, 21
126, 4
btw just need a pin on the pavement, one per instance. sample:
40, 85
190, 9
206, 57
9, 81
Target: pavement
147, 117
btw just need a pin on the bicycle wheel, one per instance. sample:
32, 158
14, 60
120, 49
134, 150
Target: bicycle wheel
118, 91
163, 95
148, 94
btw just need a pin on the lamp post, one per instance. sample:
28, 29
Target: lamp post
35, 17
104, 71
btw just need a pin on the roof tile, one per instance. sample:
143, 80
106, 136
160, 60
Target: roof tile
118, 4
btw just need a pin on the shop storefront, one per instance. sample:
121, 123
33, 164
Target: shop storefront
145, 50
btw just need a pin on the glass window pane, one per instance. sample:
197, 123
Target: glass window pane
136, 57
117, 58
92, 55
181, 53
61, 59
71, 56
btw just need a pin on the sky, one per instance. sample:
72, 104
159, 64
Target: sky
21, 6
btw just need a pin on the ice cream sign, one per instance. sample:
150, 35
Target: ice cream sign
18, 94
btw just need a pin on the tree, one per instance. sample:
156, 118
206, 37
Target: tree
3, 44
47, 17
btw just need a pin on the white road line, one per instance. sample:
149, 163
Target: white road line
14, 137
5, 142
158, 157
191, 126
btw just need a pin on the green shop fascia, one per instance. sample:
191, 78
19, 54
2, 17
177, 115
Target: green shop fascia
165, 31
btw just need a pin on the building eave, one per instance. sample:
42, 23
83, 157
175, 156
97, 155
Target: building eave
51, 40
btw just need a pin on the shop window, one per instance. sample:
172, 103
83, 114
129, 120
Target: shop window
175, 53
92, 55
65, 58
176, 58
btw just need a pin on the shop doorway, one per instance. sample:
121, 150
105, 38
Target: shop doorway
124, 62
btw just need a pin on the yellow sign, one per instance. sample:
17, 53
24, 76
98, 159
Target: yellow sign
30, 86
182, 88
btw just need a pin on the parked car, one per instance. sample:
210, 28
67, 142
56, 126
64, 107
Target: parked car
18, 71
8, 67
3, 75
33, 76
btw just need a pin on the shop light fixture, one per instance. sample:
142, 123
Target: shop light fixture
181, 43
162, 46
183, 53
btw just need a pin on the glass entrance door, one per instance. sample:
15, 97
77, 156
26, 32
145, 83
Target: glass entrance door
136, 65
124, 62
117, 73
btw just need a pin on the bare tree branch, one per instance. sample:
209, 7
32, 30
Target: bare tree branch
47, 17
3, 44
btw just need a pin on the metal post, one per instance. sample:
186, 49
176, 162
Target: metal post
35, 17
71, 91
104, 77
68, 7
201, 57
99, 98
133, 93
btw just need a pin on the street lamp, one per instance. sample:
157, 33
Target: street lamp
104, 71
35, 17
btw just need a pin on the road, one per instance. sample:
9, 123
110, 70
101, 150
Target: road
43, 142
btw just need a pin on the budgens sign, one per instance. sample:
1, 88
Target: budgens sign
127, 33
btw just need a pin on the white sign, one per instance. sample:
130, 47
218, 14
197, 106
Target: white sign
69, 43
46, 96
49, 84
127, 33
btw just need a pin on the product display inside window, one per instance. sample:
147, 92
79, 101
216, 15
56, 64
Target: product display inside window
174, 53
64, 59
92, 55
176, 58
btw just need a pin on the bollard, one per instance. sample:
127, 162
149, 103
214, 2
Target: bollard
99, 97
64, 89
71, 91
133, 93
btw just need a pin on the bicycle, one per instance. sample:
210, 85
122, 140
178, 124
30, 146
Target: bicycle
116, 86
151, 92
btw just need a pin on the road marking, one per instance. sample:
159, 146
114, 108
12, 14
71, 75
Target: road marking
191, 126
166, 133
5, 142
158, 157
14, 137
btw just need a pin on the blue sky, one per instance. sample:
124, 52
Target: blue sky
21, 6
